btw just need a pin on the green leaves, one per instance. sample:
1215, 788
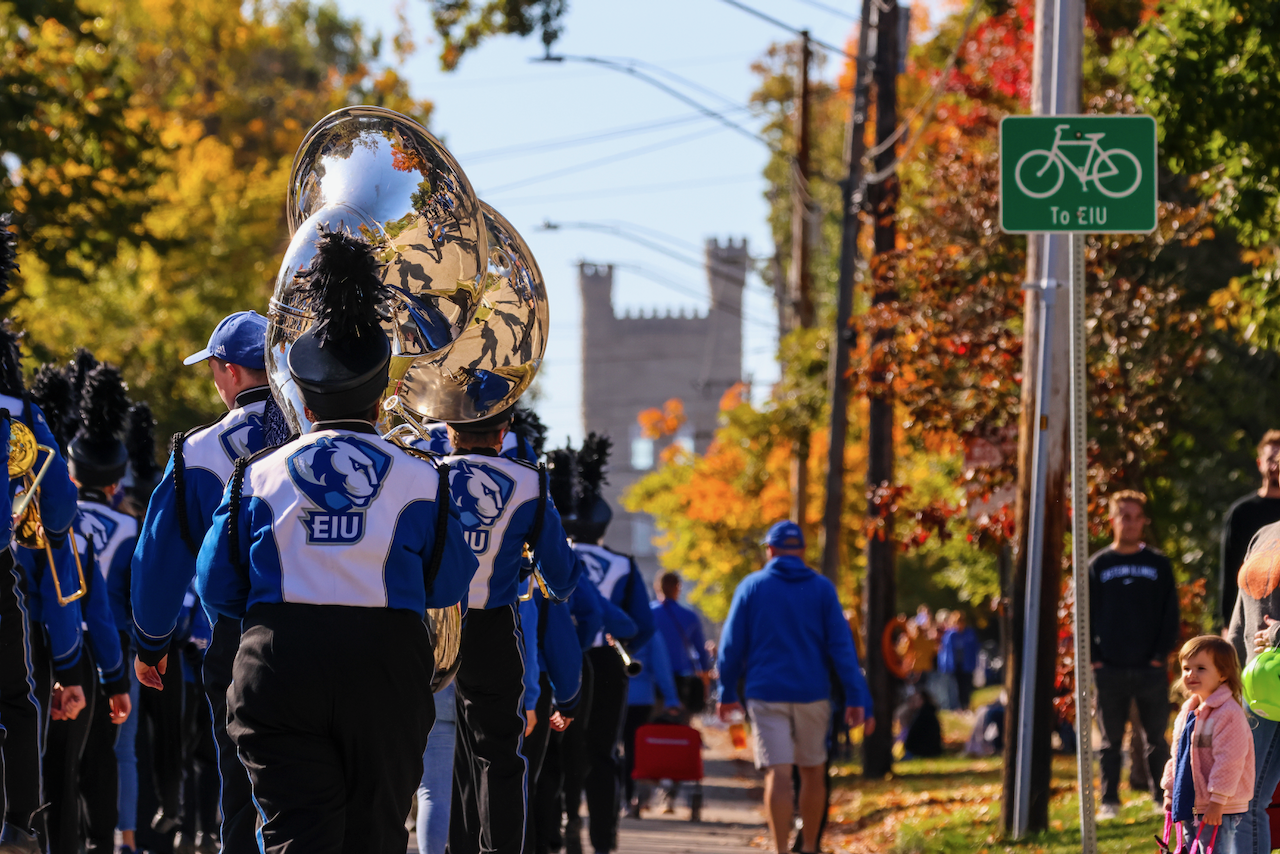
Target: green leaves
463, 24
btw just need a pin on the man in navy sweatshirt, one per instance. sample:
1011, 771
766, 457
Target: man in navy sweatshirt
785, 635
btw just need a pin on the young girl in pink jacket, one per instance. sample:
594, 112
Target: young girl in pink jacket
1209, 779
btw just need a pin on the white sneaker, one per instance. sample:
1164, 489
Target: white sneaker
1106, 812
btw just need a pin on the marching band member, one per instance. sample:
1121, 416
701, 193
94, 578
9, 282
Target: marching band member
20, 714
504, 510
619, 581
330, 548
164, 561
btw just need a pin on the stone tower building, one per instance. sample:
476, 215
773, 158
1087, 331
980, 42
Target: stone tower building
630, 364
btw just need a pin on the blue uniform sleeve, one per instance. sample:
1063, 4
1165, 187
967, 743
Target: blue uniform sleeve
61, 622
843, 653
104, 639
58, 495
529, 631
223, 585
559, 566
563, 655
734, 639
617, 622
663, 679
457, 564
118, 587
636, 594
163, 564
587, 612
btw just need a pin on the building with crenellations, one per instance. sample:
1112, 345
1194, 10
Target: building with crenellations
633, 363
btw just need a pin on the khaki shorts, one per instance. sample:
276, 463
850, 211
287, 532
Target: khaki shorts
790, 733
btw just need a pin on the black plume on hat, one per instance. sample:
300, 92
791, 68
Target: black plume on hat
98, 457
140, 441
8, 252
52, 391
81, 364
10, 352
526, 424
340, 364
575, 478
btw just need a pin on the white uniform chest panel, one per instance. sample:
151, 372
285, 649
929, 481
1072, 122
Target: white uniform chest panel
107, 528
487, 492
13, 404
337, 498
217, 447
604, 568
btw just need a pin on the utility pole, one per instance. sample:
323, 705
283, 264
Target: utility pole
852, 196
881, 583
801, 284
1043, 457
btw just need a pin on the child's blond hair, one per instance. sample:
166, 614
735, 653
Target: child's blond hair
1224, 659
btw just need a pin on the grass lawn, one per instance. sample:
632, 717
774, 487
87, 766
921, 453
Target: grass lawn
952, 804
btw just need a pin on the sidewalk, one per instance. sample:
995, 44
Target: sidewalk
731, 816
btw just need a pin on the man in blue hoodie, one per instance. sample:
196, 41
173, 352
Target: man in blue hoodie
785, 635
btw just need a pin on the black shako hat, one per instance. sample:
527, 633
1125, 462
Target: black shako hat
341, 363
574, 480
97, 456
11, 382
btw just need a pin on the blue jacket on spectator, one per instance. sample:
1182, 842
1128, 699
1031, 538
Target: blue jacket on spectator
784, 633
958, 651
681, 631
655, 674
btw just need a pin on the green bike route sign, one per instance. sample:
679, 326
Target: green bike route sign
1094, 174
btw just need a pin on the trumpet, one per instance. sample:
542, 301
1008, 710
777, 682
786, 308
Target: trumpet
634, 668
28, 529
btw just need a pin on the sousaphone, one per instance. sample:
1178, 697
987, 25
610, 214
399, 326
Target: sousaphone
468, 317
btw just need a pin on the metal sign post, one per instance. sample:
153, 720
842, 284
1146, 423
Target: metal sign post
1080, 550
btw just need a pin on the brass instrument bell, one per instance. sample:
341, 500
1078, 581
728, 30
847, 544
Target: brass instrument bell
28, 529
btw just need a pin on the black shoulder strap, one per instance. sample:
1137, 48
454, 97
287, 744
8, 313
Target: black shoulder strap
626, 593
233, 506
180, 491
443, 501
540, 514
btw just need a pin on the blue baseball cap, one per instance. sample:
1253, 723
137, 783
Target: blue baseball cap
784, 535
240, 339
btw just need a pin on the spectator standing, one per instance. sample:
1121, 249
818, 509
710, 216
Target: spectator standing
1246, 517
681, 631
784, 636
958, 658
1133, 611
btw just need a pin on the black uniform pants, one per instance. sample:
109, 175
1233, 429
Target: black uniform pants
21, 716
330, 708
1117, 688
490, 774
99, 775
637, 716
161, 714
563, 768
535, 751
239, 816
63, 754
603, 732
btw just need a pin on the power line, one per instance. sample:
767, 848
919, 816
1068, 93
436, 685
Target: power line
679, 288
637, 189
831, 10
591, 164
630, 67
584, 139
772, 20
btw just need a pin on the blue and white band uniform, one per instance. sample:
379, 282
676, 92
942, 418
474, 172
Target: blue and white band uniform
338, 516
497, 499
619, 581
112, 536
57, 492
164, 563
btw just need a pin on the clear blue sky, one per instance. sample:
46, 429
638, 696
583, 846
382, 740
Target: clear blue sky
696, 180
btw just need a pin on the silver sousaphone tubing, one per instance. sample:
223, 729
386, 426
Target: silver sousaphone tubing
383, 176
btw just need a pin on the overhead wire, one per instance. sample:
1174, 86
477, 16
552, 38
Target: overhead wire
831, 10
633, 190
602, 161
777, 23
680, 288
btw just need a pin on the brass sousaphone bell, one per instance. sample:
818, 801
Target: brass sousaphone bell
467, 320
28, 529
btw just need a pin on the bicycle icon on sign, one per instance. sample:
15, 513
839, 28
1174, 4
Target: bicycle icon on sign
1098, 167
